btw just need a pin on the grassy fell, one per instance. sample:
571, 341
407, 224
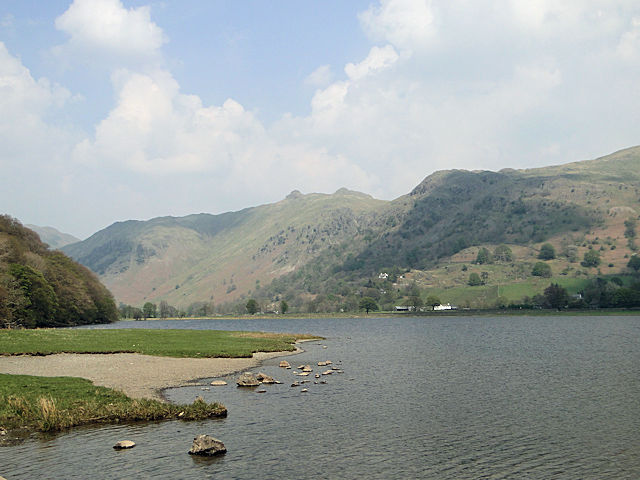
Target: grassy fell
57, 403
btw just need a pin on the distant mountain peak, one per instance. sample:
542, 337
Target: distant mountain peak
294, 194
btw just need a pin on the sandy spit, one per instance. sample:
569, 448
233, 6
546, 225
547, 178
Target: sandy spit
138, 376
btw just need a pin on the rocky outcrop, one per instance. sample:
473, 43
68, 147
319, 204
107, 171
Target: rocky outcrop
207, 446
247, 379
122, 444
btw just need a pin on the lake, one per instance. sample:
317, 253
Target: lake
430, 397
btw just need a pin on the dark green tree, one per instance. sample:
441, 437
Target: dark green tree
484, 256
252, 306
41, 302
556, 296
591, 258
547, 252
634, 263
149, 310
416, 302
541, 269
502, 253
368, 304
284, 306
474, 279
433, 301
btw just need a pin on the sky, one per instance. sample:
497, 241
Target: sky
113, 110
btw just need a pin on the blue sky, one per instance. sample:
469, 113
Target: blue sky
113, 110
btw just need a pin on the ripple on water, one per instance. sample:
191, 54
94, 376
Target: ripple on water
448, 398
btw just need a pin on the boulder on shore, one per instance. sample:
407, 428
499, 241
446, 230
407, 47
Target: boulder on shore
207, 445
122, 444
247, 379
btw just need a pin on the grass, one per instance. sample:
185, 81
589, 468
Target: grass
56, 403
169, 343
51, 404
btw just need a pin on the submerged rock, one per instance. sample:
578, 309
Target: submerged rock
207, 445
247, 379
122, 444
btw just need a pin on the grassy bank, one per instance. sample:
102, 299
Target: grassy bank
170, 343
56, 403
50, 404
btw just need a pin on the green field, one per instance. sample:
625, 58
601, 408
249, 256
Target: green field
486, 296
169, 343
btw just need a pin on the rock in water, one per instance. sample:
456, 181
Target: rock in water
284, 364
207, 445
122, 444
263, 378
247, 380
218, 383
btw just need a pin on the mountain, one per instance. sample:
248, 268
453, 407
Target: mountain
52, 237
317, 244
44, 288
217, 258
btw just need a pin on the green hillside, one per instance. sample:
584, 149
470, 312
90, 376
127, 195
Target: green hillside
221, 257
323, 252
40, 287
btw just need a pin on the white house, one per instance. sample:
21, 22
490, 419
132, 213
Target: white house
448, 306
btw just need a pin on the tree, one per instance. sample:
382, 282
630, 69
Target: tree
416, 302
164, 309
367, 304
484, 256
541, 269
474, 279
502, 253
591, 259
149, 310
433, 301
634, 263
556, 296
252, 306
284, 306
547, 252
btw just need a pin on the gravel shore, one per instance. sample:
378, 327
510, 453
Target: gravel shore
138, 376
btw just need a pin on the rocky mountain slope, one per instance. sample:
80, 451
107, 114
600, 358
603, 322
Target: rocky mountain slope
314, 243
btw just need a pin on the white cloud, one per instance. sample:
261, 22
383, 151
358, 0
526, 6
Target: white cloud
406, 24
378, 59
156, 130
105, 31
320, 77
24, 104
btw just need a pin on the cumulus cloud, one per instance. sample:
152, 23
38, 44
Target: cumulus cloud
320, 77
107, 30
24, 104
407, 24
156, 130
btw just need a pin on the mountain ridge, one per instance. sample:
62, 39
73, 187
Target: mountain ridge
223, 258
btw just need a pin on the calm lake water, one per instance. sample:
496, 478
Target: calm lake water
441, 398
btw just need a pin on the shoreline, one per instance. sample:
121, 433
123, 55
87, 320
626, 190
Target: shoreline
136, 375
